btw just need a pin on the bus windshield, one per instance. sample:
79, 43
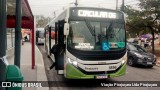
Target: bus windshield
96, 35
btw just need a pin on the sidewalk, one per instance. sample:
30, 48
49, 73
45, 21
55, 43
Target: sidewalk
157, 52
38, 74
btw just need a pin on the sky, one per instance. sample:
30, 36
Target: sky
48, 7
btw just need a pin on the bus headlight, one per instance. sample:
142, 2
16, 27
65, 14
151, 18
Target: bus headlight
73, 62
123, 61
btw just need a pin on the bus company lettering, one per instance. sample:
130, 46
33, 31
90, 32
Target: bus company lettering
98, 14
88, 68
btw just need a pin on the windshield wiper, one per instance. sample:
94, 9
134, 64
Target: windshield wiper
108, 30
91, 29
110, 26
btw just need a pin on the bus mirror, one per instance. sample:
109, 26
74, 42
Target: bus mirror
66, 29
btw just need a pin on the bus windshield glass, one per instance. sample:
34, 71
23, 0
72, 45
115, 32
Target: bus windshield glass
96, 35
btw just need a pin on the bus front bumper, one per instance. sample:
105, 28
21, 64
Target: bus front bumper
73, 73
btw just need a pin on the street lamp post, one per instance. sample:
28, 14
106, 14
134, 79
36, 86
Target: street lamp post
116, 4
76, 3
122, 8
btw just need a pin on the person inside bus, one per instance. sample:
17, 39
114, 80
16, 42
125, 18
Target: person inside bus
102, 43
98, 43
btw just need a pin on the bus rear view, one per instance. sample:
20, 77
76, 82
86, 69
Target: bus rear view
40, 35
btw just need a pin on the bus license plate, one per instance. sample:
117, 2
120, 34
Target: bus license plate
101, 77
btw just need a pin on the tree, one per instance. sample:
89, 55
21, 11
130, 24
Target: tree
42, 21
146, 18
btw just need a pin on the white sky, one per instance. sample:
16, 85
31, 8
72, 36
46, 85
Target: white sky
47, 7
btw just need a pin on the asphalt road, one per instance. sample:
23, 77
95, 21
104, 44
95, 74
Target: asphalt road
138, 73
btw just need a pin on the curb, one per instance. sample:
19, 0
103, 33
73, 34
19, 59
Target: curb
41, 72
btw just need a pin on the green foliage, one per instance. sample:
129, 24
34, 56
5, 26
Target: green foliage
42, 21
144, 19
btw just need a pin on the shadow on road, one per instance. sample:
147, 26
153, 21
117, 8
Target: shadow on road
141, 67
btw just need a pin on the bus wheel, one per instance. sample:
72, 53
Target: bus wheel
130, 61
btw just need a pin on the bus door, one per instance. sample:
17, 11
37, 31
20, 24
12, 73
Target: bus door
45, 40
59, 40
50, 40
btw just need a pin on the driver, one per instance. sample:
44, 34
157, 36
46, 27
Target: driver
98, 44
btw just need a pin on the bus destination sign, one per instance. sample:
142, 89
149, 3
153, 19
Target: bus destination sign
96, 14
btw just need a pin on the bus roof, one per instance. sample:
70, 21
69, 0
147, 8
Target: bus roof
51, 23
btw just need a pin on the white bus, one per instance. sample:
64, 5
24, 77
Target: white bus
91, 43
40, 36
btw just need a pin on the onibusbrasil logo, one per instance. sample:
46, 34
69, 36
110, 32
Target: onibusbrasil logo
21, 84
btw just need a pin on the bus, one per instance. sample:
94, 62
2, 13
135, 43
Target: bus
40, 36
90, 43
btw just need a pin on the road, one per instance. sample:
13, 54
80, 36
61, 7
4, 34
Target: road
133, 74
